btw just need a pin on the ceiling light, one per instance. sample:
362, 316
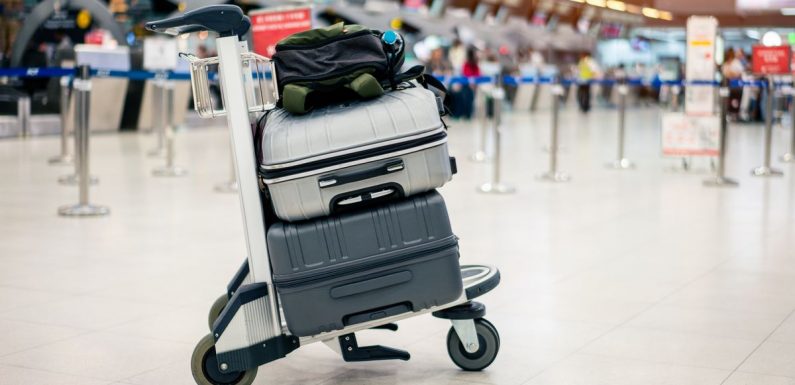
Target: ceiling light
771, 39
578, 1
616, 5
788, 11
665, 15
651, 12
753, 34
632, 8
596, 3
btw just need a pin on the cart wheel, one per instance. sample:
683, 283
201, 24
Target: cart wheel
204, 366
216, 309
489, 346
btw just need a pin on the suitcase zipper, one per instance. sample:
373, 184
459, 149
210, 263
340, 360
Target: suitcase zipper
332, 161
340, 271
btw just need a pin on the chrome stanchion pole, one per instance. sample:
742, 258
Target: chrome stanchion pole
789, 157
675, 91
82, 87
230, 186
482, 120
765, 169
496, 186
65, 157
167, 122
621, 163
23, 115
720, 179
158, 120
553, 175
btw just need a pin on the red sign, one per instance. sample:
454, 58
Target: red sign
270, 26
771, 60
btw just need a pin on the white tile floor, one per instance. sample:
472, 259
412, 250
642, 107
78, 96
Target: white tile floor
634, 277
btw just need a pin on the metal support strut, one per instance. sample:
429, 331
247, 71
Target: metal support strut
82, 87
789, 157
720, 178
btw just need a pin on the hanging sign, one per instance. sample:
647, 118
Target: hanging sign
268, 26
771, 60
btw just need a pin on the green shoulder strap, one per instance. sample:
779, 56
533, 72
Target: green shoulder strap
366, 86
294, 98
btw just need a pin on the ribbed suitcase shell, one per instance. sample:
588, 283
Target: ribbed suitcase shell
302, 152
364, 265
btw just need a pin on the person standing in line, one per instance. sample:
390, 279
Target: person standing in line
732, 70
586, 70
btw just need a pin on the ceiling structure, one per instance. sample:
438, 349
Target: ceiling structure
655, 13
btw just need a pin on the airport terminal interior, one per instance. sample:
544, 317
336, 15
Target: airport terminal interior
622, 194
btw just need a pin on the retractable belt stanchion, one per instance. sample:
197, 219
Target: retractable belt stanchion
482, 120
23, 115
82, 89
230, 186
621, 163
675, 91
789, 157
496, 186
553, 175
167, 122
158, 120
65, 157
720, 179
765, 169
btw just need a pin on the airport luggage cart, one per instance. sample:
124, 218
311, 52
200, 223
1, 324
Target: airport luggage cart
246, 323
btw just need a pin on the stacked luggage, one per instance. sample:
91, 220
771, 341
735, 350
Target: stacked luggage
349, 165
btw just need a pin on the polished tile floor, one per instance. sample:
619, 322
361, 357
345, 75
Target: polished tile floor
618, 277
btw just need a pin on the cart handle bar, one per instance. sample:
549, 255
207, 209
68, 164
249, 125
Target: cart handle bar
226, 20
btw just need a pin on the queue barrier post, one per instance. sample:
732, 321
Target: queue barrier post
482, 121
621, 162
789, 157
496, 185
230, 186
82, 89
167, 122
553, 175
720, 179
65, 158
158, 118
765, 169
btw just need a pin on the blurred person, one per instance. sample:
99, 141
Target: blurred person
463, 95
732, 70
586, 69
458, 55
438, 64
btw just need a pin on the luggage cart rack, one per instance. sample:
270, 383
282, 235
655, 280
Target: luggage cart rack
247, 327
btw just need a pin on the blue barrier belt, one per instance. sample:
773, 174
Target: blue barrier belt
49, 72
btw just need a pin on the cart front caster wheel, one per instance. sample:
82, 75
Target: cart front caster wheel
216, 309
204, 366
489, 346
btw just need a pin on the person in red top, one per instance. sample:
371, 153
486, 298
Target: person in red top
471, 67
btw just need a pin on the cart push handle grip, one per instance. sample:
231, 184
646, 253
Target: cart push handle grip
226, 20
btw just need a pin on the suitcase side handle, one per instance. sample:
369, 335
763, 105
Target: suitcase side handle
366, 196
388, 167
371, 284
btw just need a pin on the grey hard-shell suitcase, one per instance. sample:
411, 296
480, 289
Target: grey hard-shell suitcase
341, 155
365, 264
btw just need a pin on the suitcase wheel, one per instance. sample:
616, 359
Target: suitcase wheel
216, 309
488, 347
204, 366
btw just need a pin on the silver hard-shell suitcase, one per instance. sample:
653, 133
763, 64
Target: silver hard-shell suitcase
352, 153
